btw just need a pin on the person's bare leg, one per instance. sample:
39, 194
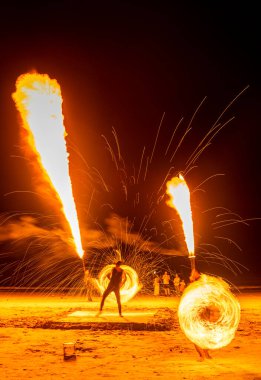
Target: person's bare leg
105, 295
206, 353
200, 352
118, 298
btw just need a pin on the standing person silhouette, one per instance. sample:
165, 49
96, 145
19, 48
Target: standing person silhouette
117, 279
166, 280
156, 285
182, 286
176, 283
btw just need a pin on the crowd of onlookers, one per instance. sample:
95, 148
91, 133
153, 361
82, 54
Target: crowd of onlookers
165, 285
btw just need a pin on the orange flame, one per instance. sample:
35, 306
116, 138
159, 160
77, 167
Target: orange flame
39, 101
179, 194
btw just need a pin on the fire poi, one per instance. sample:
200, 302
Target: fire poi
39, 102
208, 312
130, 287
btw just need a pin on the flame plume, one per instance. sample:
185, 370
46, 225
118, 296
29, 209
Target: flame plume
39, 102
179, 194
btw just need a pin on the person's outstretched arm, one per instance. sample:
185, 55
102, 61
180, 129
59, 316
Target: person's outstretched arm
123, 278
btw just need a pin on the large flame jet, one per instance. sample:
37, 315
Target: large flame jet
179, 194
39, 102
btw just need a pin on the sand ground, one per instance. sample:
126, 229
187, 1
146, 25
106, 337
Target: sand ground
31, 352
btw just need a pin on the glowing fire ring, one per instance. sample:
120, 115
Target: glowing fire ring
130, 287
209, 313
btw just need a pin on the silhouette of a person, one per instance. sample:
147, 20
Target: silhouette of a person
117, 279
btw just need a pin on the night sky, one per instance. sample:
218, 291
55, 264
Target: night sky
124, 65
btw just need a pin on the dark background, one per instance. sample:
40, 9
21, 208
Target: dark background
124, 64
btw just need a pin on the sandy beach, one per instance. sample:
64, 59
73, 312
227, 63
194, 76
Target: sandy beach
31, 350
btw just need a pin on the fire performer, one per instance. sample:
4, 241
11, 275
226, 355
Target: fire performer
117, 279
203, 353
208, 312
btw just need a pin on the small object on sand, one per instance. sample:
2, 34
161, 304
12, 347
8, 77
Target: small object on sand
69, 351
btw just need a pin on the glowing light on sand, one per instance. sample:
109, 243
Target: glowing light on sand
39, 102
179, 194
130, 287
209, 313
